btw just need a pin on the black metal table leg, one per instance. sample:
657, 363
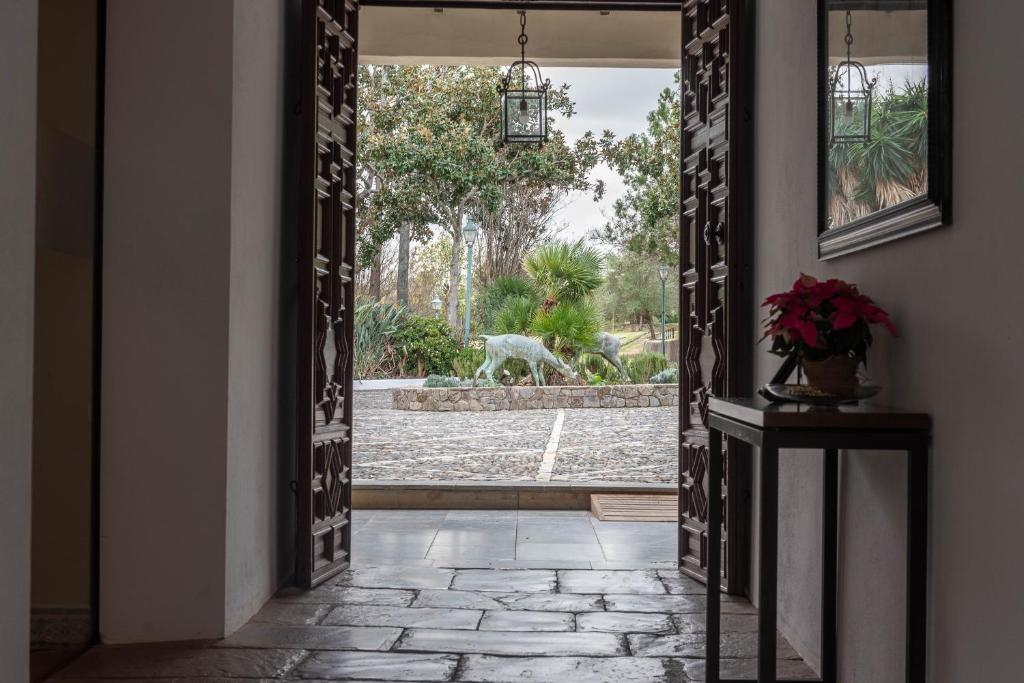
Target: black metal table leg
714, 550
917, 562
767, 582
829, 564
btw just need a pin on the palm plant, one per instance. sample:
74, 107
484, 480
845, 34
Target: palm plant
500, 292
565, 271
568, 326
515, 316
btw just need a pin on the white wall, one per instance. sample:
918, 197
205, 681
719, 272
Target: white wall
189, 471
18, 31
956, 294
257, 129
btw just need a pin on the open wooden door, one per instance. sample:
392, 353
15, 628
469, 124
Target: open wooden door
326, 253
715, 234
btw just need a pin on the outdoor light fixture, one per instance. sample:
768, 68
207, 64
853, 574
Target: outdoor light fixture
663, 273
850, 97
436, 305
524, 98
469, 231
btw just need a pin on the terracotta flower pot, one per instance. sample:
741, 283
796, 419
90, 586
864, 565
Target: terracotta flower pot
834, 375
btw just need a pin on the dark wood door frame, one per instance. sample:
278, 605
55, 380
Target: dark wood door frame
719, 29
715, 294
325, 288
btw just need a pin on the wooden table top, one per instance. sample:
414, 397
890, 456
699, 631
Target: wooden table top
763, 414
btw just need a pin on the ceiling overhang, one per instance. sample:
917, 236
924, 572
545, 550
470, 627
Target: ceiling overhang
487, 36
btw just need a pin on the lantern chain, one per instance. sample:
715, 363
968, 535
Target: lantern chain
523, 38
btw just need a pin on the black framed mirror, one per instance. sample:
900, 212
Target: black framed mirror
884, 121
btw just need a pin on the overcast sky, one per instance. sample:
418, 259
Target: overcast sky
613, 99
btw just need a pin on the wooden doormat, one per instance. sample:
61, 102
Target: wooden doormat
629, 507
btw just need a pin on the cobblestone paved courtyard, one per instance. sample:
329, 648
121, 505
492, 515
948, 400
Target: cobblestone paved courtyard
573, 444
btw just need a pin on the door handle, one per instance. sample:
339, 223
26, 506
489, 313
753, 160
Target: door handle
716, 232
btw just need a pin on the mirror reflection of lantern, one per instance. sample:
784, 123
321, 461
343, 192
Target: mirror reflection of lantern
850, 94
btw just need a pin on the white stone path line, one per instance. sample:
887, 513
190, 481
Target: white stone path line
547, 465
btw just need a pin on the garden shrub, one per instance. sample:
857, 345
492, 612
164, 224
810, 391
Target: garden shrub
643, 366
593, 364
427, 345
666, 376
375, 325
440, 382
466, 361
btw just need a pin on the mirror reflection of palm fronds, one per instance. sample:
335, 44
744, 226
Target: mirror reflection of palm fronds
892, 167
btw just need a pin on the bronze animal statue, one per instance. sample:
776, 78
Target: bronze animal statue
500, 348
607, 346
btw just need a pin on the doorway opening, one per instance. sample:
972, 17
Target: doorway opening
528, 461
708, 227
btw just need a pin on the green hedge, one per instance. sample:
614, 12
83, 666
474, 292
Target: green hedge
643, 366
426, 346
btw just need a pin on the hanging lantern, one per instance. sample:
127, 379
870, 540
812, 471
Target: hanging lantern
524, 98
850, 97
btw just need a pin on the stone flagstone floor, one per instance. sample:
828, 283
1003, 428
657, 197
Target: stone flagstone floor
587, 444
573, 539
545, 624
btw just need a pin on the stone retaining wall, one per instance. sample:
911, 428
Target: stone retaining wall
532, 398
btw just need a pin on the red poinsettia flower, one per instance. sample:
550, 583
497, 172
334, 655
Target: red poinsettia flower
822, 318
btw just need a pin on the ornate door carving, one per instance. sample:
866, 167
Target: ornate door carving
326, 253
715, 196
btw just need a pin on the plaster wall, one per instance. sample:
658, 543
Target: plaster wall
955, 293
18, 40
167, 204
253, 481
191, 317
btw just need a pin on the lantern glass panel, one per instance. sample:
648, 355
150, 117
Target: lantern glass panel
525, 116
851, 115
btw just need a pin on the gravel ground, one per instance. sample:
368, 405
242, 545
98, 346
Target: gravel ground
598, 444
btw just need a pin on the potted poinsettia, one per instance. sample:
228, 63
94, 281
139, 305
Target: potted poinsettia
828, 326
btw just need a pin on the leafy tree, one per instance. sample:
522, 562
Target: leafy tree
645, 219
633, 289
431, 133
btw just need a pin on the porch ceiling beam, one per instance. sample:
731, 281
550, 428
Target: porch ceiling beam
587, 5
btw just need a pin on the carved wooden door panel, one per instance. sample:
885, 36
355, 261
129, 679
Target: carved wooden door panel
716, 343
326, 253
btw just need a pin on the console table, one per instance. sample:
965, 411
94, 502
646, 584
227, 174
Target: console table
773, 426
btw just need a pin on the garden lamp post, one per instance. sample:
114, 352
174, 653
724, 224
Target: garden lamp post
469, 230
663, 272
436, 305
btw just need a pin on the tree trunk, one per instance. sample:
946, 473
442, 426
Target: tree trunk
375, 272
403, 265
454, 273
650, 324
